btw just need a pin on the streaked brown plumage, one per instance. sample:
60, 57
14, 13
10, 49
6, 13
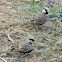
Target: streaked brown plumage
42, 18
26, 48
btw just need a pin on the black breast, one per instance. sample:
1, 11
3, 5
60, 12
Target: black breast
24, 52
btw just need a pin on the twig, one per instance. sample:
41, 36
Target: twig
3, 59
12, 40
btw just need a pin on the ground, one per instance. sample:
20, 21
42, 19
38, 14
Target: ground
48, 45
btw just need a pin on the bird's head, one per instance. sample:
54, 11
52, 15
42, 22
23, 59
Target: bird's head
46, 10
31, 41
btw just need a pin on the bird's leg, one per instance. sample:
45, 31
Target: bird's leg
37, 27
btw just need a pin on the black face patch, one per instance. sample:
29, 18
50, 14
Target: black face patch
46, 11
32, 40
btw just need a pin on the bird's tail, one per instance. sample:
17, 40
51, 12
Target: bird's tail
29, 22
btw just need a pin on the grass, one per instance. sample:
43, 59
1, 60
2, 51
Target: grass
39, 45
31, 2
59, 44
60, 59
46, 38
3, 25
45, 54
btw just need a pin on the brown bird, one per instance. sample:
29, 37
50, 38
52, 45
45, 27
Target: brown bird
26, 48
42, 18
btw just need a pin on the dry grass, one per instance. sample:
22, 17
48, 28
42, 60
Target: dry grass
48, 42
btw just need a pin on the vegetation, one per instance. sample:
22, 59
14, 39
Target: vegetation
48, 41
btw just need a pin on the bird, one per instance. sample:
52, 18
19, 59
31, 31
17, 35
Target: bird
26, 48
42, 18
